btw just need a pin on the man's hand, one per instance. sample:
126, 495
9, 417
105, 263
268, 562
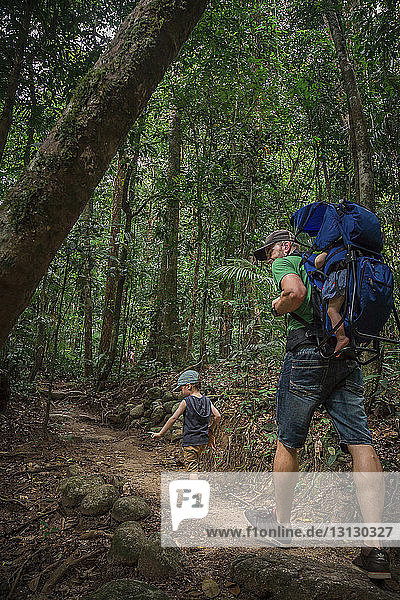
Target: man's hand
275, 311
155, 435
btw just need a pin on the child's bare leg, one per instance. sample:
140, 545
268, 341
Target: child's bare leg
334, 306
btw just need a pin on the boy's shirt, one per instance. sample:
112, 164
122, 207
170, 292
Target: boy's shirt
195, 421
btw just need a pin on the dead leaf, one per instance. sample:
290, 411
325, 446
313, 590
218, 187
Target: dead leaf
210, 588
233, 587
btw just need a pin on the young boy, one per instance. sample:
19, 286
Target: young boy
197, 432
334, 290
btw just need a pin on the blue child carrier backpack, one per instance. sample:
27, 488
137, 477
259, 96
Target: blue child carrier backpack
353, 239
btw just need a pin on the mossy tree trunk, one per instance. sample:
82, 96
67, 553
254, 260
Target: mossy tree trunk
87, 293
119, 255
359, 137
40, 210
165, 343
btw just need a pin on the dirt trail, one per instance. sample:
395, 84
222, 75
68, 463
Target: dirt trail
32, 472
132, 454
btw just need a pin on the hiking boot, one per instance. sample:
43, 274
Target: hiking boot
376, 563
267, 521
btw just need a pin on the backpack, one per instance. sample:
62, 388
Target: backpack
353, 238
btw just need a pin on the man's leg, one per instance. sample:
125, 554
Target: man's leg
286, 467
370, 485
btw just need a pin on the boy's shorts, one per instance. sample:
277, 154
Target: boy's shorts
191, 456
335, 285
307, 382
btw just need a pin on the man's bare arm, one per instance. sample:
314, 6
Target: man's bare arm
292, 295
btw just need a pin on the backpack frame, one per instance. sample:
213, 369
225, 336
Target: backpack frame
369, 278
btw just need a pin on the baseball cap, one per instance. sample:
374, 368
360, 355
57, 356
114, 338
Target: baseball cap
281, 235
187, 377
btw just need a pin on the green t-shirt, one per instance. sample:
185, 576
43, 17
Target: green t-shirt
288, 265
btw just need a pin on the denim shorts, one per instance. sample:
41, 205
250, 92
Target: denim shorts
335, 285
307, 382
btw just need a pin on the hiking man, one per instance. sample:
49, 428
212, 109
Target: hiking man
306, 382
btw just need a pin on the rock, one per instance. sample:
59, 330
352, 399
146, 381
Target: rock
137, 411
130, 508
165, 419
99, 500
74, 469
281, 576
147, 402
77, 487
157, 415
175, 406
156, 562
154, 393
168, 397
147, 413
126, 544
176, 435
168, 406
144, 421
127, 589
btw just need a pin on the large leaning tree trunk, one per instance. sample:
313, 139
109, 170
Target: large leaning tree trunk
165, 343
40, 210
359, 137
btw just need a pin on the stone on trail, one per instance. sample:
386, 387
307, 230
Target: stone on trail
175, 406
157, 415
130, 508
280, 576
99, 500
74, 469
126, 544
176, 435
127, 589
75, 488
168, 406
156, 562
169, 397
155, 393
137, 411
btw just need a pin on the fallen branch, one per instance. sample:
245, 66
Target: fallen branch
63, 568
11, 592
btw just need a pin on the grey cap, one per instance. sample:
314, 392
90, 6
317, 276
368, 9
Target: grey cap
185, 378
281, 235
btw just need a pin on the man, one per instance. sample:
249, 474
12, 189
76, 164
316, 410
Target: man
306, 382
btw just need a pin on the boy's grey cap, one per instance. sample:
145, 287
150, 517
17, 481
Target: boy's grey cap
281, 235
187, 377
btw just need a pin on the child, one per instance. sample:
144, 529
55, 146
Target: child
197, 432
334, 290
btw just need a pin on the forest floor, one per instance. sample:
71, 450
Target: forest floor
41, 541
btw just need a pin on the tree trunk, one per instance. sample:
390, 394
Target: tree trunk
87, 291
165, 343
119, 278
32, 121
113, 259
41, 333
195, 284
359, 138
42, 207
13, 80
